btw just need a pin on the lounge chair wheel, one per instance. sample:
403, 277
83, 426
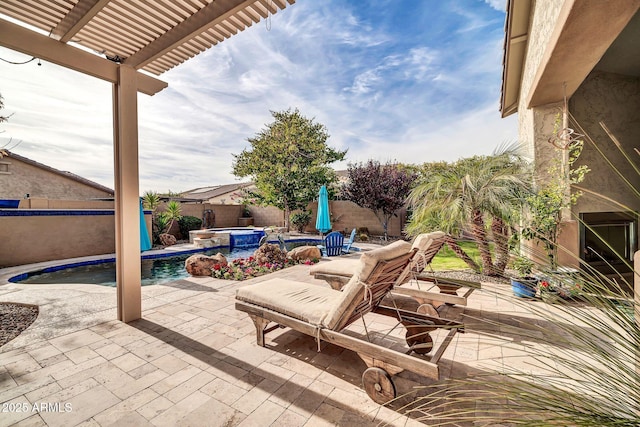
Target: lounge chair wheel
419, 340
427, 309
378, 385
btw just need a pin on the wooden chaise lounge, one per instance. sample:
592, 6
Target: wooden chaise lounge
420, 285
325, 314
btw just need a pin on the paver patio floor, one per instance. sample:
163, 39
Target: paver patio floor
193, 361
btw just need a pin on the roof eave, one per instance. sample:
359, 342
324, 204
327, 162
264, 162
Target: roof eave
515, 48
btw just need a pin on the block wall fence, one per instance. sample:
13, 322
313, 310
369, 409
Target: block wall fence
45, 230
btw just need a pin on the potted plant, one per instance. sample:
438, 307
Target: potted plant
563, 284
245, 219
525, 285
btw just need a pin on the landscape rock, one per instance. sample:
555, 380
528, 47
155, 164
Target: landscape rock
270, 253
167, 239
302, 253
202, 265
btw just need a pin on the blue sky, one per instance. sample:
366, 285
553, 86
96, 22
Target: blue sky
411, 81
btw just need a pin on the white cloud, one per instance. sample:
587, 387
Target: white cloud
382, 89
499, 5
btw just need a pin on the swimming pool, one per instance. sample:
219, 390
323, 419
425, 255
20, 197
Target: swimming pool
155, 269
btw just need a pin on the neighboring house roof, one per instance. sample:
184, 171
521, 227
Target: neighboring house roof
206, 193
65, 174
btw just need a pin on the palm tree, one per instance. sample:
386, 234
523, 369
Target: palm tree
469, 192
173, 212
151, 200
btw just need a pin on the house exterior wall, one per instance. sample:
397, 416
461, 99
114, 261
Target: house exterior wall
535, 123
18, 178
614, 100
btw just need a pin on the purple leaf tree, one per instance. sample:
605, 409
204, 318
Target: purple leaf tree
381, 188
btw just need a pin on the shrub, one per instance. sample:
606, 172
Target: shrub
188, 223
300, 220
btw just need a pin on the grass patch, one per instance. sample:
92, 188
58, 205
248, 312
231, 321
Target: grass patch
446, 259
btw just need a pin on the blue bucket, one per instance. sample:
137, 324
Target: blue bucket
524, 288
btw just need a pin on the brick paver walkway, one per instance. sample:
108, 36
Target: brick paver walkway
192, 361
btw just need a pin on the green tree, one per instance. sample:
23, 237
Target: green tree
546, 205
470, 192
288, 162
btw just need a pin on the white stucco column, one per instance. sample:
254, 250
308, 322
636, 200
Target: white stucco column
127, 193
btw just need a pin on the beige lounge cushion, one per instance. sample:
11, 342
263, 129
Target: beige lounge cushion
427, 248
339, 267
424, 240
355, 286
300, 300
347, 267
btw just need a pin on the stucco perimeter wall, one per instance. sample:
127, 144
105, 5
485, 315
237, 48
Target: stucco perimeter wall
225, 215
29, 236
345, 216
614, 100
23, 178
39, 203
266, 216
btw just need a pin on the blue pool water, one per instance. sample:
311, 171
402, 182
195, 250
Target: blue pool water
155, 271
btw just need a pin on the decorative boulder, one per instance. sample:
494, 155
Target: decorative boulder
202, 265
220, 259
167, 239
302, 253
270, 253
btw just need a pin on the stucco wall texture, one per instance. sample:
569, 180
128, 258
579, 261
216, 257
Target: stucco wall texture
614, 100
30, 239
541, 27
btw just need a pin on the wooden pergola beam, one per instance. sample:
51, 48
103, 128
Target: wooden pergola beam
212, 14
20, 39
77, 18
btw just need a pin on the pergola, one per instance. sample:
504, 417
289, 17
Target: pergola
132, 40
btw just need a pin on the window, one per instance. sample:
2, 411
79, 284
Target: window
4, 168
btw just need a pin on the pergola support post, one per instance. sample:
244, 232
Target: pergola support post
127, 195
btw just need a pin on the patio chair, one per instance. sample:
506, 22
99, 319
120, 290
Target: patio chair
332, 245
419, 283
325, 313
281, 243
347, 246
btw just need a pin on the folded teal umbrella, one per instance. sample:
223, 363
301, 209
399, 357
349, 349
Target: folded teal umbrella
145, 243
323, 221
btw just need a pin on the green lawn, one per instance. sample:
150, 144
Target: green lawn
446, 259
